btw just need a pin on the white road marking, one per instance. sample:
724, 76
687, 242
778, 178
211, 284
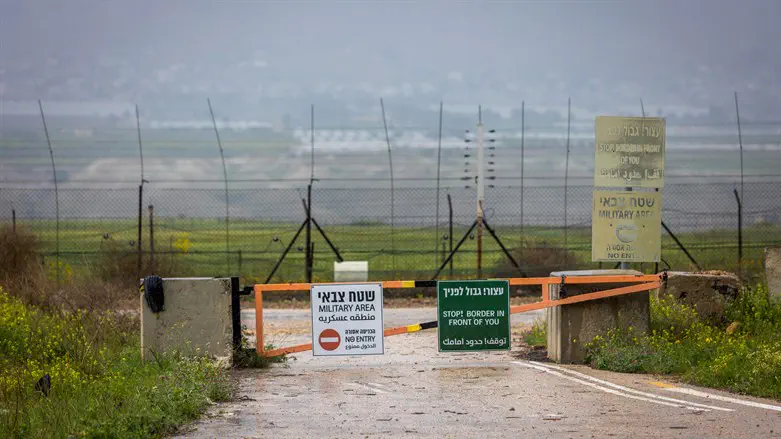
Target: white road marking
682, 404
367, 386
688, 391
630, 390
381, 386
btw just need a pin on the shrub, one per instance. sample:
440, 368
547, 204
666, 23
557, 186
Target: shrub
100, 387
537, 260
35, 284
19, 253
669, 314
118, 264
538, 335
744, 356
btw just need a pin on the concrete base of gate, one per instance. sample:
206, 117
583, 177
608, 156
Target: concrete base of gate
196, 320
773, 272
571, 327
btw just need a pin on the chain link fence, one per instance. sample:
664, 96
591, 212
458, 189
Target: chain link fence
405, 220
183, 230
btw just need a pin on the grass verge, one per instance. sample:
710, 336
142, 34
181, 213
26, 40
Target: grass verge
100, 387
741, 354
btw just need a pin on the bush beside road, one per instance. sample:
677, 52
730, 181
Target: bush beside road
740, 353
100, 387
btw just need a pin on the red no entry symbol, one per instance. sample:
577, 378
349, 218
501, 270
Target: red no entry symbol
329, 339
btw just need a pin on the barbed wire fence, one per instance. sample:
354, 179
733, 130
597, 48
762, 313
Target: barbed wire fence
248, 227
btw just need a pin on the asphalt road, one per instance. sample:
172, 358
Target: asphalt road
414, 391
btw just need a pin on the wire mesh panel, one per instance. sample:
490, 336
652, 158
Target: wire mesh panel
183, 229
186, 230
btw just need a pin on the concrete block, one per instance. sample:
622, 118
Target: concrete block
571, 327
773, 272
707, 292
196, 320
351, 271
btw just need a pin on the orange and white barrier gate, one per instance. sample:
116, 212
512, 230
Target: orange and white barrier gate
639, 283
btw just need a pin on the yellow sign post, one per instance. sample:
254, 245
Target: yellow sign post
626, 226
629, 152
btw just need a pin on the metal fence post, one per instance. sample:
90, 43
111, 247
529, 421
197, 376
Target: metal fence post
390, 166
450, 230
566, 186
225, 179
151, 239
308, 258
740, 230
439, 165
139, 262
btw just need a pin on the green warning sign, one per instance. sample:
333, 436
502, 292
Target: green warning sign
473, 315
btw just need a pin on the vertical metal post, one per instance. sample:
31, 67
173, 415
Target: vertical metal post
151, 239
309, 255
311, 260
225, 177
439, 164
56, 194
390, 166
139, 261
480, 192
566, 186
308, 259
740, 142
236, 313
740, 231
523, 131
13, 220
624, 265
259, 346
140, 149
139, 248
312, 142
450, 231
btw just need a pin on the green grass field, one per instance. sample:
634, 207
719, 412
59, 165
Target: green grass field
197, 247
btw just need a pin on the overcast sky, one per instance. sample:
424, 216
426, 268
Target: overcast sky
679, 52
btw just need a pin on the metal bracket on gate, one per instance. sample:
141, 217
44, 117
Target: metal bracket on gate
562, 291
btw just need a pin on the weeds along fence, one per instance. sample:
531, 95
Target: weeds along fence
183, 229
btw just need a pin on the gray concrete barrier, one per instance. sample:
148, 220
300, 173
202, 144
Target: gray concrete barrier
707, 292
571, 327
196, 320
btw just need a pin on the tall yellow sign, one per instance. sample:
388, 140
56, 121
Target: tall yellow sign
626, 224
629, 152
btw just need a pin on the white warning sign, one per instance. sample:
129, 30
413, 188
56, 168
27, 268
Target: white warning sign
347, 319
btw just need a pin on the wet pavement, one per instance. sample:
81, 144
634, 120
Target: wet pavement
413, 391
